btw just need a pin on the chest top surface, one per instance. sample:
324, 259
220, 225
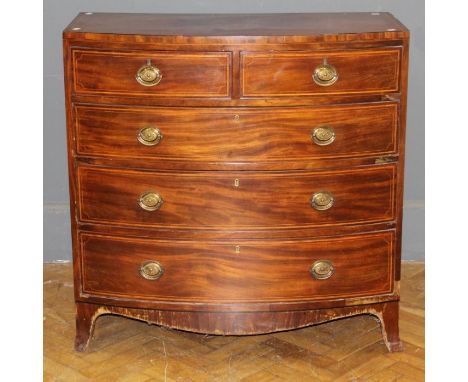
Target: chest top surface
235, 25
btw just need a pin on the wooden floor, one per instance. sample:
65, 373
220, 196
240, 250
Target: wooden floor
127, 350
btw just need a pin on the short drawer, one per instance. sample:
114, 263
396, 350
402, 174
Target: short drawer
238, 134
220, 200
309, 73
152, 74
251, 271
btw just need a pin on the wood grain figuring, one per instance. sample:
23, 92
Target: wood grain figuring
237, 134
280, 74
207, 272
183, 74
236, 168
131, 350
262, 200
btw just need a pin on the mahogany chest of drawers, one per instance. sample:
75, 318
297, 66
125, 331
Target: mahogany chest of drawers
236, 174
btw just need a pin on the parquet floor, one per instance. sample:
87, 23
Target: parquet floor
127, 350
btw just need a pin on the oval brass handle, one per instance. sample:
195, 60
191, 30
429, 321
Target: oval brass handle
148, 75
325, 74
322, 200
151, 201
151, 270
323, 135
149, 136
322, 269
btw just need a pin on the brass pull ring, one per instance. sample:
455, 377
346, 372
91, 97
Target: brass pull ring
149, 136
322, 200
151, 270
323, 135
325, 74
322, 269
148, 75
150, 201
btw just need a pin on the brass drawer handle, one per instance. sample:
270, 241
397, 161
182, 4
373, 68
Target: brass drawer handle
325, 74
322, 200
151, 201
151, 270
323, 135
148, 75
322, 269
149, 136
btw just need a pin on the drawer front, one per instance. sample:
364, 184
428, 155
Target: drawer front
282, 74
237, 135
180, 74
133, 268
236, 199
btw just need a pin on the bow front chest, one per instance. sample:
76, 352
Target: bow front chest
236, 174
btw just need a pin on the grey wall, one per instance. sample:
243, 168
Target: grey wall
58, 13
